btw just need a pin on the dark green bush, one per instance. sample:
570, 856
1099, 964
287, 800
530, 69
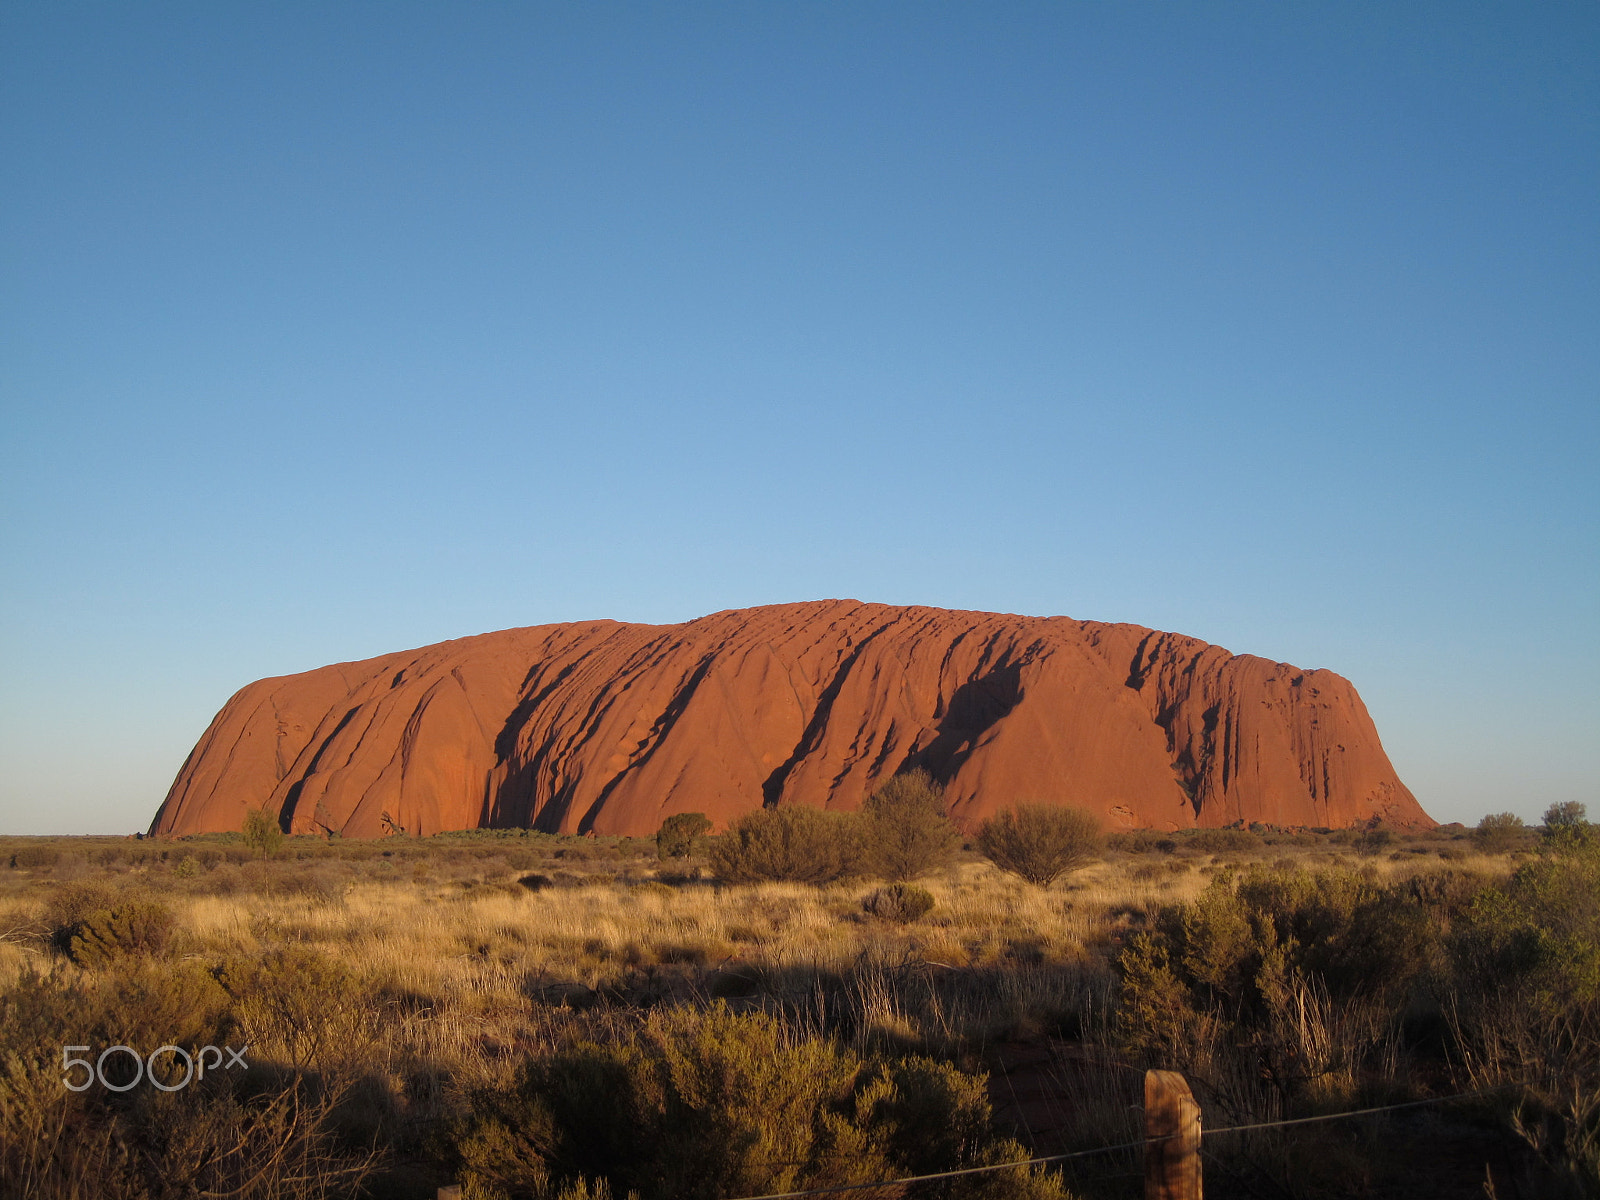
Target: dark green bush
1156, 1014
1221, 841
697, 1105
906, 832
1142, 841
299, 1007
1526, 1003
224, 1134
1539, 933
1567, 827
1445, 894
261, 833
142, 1003
1241, 957
1357, 937
1372, 841
1500, 833
132, 927
71, 903
1039, 842
217, 1137
680, 834
794, 843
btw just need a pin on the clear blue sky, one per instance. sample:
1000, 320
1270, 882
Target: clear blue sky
332, 329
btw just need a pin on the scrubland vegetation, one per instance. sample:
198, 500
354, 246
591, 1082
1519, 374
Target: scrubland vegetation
805, 1001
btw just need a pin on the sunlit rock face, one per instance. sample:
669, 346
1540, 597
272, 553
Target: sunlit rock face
610, 727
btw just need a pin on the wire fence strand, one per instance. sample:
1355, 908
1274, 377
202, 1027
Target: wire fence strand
1141, 1144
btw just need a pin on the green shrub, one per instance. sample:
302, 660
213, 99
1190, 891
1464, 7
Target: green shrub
1372, 841
133, 927
1567, 827
1221, 841
698, 1105
299, 1006
1304, 973
1302, 837
227, 1133
906, 832
1355, 936
794, 843
680, 833
261, 833
55, 1142
30, 858
72, 902
1155, 1014
142, 1003
901, 903
1500, 833
1039, 842
1142, 841
1527, 1003
1447, 894
1539, 933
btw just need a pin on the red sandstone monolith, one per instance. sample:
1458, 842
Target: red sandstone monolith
611, 727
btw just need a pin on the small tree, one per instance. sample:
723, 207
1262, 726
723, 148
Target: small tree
1566, 826
907, 833
678, 833
794, 843
261, 832
1499, 833
1039, 842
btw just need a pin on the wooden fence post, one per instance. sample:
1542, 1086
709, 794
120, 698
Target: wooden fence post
1172, 1133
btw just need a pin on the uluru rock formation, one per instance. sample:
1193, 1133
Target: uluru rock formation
610, 727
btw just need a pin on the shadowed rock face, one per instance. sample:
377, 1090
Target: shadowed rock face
611, 727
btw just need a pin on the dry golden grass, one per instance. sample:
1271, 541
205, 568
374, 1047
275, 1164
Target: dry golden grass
479, 946
426, 971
